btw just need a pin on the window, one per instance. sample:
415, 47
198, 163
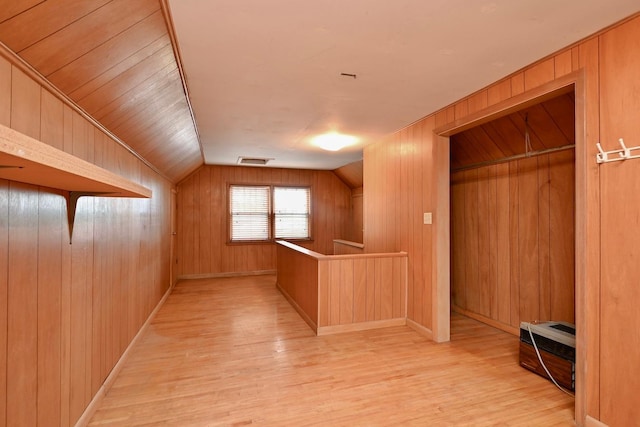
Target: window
264, 213
249, 213
291, 212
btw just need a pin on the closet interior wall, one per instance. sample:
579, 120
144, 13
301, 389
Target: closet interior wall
512, 193
512, 234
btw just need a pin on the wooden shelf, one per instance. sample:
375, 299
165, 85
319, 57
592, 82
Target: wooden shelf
25, 159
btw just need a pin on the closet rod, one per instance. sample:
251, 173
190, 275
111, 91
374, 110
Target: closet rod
514, 157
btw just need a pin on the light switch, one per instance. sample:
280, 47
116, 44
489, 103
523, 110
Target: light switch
427, 218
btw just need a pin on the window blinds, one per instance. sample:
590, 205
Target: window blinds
249, 213
291, 207
259, 214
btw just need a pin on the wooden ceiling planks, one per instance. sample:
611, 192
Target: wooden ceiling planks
37, 23
69, 43
124, 45
14, 7
551, 124
479, 137
126, 65
503, 129
114, 59
125, 90
562, 111
465, 147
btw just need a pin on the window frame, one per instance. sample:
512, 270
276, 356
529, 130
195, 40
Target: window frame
271, 214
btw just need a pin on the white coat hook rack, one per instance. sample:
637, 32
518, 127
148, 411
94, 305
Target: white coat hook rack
623, 153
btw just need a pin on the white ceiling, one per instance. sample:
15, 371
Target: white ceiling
264, 76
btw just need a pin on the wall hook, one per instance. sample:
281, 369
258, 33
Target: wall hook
624, 153
602, 156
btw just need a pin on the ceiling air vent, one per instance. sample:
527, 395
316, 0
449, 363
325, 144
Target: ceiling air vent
253, 161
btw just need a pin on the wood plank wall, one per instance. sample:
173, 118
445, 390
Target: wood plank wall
512, 234
388, 178
360, 289
398, 190
202, 247
400, 185
620, 190
380, 197
352, 175
339, 293
67, 312
298, 281
355, 233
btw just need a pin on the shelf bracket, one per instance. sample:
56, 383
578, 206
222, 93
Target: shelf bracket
72, 201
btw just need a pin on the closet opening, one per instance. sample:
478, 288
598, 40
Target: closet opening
512, 216
514, 248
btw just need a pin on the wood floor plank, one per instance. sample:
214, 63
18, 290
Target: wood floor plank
232, 351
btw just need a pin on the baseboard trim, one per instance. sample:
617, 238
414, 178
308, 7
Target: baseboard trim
227, 274
422, 330
108, 382
480, 318
360, 326
592, 422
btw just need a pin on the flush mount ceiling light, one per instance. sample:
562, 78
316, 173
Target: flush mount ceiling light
333, 141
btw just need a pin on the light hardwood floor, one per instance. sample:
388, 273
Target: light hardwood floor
233, 352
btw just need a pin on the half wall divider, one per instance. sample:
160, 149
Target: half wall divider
342, 293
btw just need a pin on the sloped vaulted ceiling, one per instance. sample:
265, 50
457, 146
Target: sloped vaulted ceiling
115, 59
